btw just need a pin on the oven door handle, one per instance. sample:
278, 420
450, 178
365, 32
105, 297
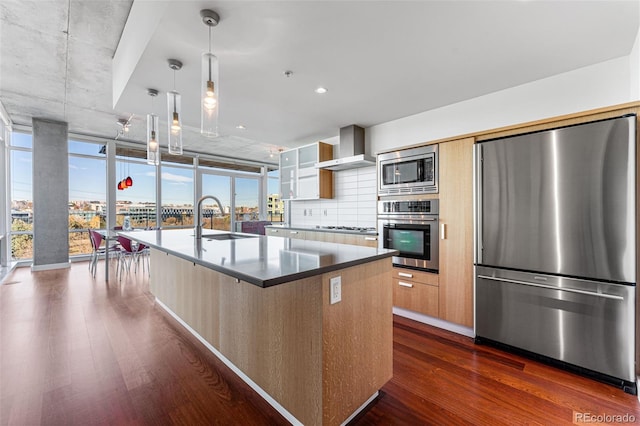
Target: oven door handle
399, 221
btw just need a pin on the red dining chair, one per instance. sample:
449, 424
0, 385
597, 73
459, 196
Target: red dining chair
98, 249
131, 253
125, 255
96, 241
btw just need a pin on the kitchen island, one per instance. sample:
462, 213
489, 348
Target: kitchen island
264, 306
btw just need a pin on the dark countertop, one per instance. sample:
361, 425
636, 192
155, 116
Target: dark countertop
316, 229
260, 260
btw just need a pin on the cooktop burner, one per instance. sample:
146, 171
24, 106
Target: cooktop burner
347, 228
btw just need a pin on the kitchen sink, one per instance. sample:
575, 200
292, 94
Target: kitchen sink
227, 236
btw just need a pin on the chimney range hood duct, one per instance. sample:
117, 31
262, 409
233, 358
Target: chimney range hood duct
352, 151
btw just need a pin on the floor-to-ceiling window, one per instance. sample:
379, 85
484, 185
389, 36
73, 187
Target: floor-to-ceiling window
87, 194
21, 195
275, 206
246, 195
177, 195
220, 187
137, 201
238, 190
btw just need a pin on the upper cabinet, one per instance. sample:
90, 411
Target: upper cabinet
300, 179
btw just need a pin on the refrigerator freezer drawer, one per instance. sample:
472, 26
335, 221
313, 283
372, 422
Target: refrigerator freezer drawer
589, 327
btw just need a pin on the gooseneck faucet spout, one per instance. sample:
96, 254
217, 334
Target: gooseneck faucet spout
198, 230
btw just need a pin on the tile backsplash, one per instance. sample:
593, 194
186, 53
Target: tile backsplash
353, 204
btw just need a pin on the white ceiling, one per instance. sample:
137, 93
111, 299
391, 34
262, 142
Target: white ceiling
380, 60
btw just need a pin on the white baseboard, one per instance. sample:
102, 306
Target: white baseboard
36, 268
362, 407
436, 322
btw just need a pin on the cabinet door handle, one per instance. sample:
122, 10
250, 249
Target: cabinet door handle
443, 231
403, 284
370, 238
293, 232
404, 274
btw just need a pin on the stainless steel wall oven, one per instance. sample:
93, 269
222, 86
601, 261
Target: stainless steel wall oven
411, 227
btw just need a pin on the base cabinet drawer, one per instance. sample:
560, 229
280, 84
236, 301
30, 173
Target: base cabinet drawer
405, 274
415, 296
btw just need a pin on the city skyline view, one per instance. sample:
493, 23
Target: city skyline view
87, 178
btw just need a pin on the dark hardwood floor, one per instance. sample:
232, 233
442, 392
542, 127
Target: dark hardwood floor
77, 350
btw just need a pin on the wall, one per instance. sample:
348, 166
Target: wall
608, 83
354, 202
634, 69
595, 86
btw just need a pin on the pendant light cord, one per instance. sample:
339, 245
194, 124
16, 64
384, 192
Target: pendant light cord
209, 57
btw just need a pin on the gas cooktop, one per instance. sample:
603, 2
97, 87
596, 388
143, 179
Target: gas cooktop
347, 228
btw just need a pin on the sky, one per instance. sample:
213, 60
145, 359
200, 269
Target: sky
87, 178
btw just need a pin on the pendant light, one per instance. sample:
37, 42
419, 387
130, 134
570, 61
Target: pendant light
174, 110
153, 145
128, 182
209, 82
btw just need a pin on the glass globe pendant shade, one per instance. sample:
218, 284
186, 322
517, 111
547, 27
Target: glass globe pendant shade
174, 122
209, 95
153, 147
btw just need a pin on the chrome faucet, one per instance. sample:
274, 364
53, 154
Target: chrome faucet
198, 230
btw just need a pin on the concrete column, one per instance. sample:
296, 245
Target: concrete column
50, 195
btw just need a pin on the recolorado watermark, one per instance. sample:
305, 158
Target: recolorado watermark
603, 418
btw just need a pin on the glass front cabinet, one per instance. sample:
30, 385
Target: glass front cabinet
300, 179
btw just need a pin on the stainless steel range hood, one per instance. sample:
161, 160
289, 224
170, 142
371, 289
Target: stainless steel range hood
352, 151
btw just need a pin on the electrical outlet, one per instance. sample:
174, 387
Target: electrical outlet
336, 289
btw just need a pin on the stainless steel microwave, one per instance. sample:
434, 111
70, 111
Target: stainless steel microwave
410, 171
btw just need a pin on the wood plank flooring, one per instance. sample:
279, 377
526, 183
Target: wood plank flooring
77, 350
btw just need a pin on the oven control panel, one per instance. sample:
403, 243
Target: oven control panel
408, 207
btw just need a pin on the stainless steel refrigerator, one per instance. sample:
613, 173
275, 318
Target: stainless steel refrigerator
556, 246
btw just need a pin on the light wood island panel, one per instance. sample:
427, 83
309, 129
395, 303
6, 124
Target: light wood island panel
319, 361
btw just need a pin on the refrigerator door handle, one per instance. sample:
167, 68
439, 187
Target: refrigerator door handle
549, 287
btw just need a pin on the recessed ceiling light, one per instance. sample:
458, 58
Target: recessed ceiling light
240, 126
321, 90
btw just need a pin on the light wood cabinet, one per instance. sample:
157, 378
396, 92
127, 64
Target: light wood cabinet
417, 291
367, 240
360, 240
343, 238
449, 294
273, 232
456, 231
285, 232
299, 178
